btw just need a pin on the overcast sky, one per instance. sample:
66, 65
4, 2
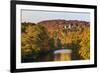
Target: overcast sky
37, 16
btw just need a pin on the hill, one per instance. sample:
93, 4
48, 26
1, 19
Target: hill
59, 24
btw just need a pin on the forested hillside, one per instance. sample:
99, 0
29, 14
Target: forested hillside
39, 40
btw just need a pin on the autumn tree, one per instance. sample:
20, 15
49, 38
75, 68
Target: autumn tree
85, 44
33, 40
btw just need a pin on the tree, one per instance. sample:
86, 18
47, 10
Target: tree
85, 44
33, 40
24, 26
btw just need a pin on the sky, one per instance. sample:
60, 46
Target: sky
37, 16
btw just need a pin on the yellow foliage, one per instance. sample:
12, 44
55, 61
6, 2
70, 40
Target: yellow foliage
85, 44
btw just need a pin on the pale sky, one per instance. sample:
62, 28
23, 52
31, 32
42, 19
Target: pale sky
37, 16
